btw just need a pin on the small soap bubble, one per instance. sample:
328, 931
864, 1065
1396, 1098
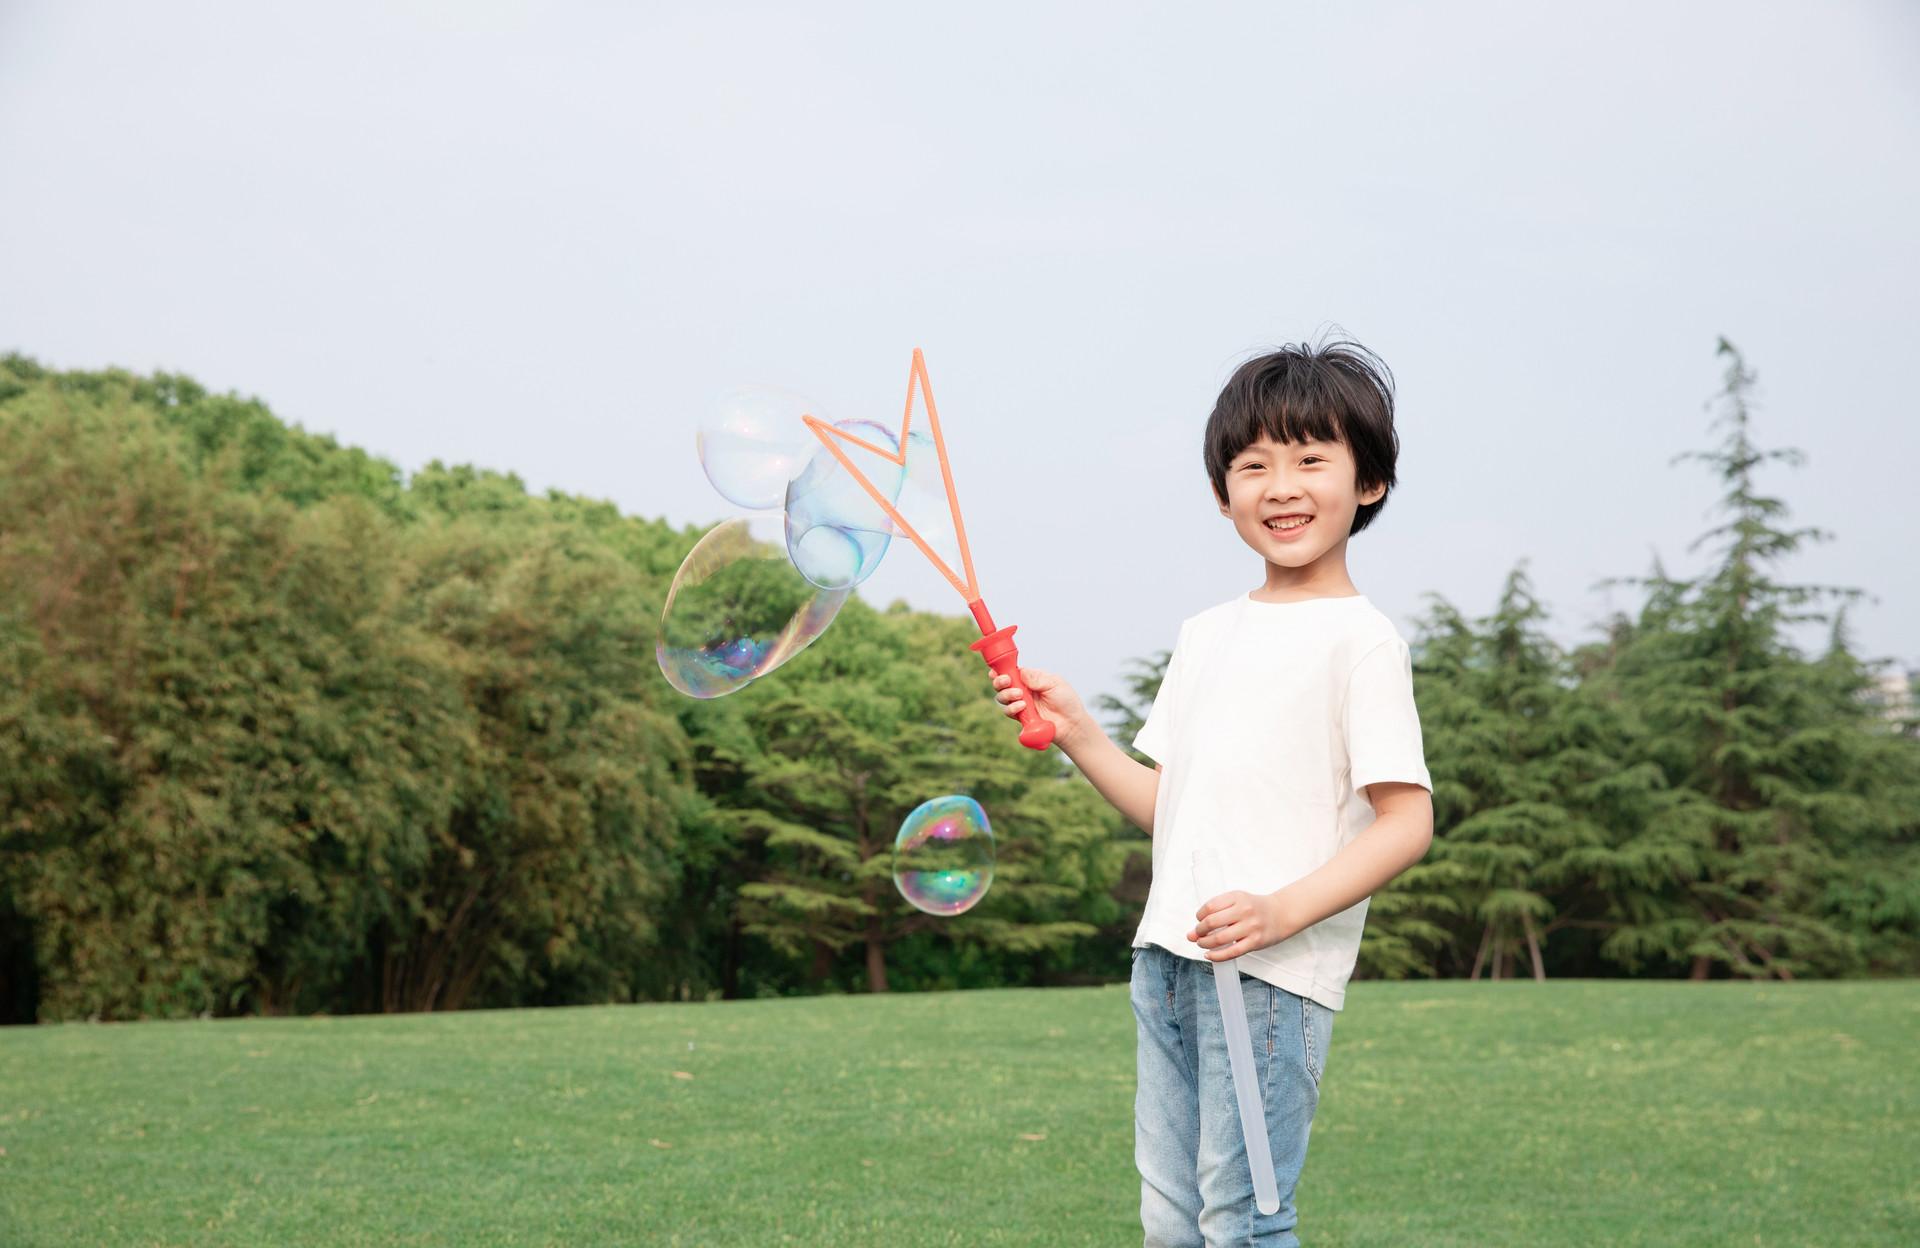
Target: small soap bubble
752, 442
943, 855
737, 610
836, 532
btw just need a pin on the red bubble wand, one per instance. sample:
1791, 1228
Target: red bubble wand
996, 644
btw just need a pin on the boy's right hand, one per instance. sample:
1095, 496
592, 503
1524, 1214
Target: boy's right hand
1053, 697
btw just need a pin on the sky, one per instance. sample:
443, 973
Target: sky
544, 238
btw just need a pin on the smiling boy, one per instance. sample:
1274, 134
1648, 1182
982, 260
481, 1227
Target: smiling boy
1290, 767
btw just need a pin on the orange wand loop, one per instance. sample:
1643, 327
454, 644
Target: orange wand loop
996, 647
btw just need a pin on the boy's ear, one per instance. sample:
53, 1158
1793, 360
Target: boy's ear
1373, 495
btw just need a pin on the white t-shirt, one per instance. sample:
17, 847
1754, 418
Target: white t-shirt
1272, 720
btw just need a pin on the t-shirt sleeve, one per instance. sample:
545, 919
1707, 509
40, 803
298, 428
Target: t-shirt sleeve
1155, 738
1382, 725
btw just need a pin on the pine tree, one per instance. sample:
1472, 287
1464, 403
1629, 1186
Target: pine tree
1537, 821
1127, 715
1733, 715
1869, 767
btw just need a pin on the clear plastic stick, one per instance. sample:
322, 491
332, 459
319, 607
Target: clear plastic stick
1246, 1085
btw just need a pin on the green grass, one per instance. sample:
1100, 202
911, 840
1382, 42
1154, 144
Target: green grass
1452, 1114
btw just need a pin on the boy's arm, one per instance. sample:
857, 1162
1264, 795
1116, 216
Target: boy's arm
1130, 786
1398, 837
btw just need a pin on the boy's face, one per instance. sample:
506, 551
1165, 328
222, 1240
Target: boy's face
1272, 486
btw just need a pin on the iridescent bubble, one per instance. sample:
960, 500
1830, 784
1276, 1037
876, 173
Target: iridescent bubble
737, 610
836, 532
826, 503
752, 442
943, 855
923, 501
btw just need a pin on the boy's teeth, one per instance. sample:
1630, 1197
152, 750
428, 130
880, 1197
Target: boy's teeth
1288, 524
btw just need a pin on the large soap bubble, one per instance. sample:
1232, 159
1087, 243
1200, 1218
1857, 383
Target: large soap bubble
737, 609
943, 855
836, 533
752, 442
924, 504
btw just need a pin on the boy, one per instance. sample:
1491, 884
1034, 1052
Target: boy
1289, 753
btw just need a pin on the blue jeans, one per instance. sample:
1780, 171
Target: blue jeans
1195, 1188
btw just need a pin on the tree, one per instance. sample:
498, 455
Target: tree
1769, 745
285, 742
209, 671
882, 713
1127, 715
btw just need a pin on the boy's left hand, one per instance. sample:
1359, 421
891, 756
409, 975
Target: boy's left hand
1236, 923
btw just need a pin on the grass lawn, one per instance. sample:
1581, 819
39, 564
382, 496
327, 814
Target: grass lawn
1451, 1114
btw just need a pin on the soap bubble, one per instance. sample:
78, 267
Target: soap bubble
836, 533
752, 442
825, 505
923, 501
737, 609
943, 856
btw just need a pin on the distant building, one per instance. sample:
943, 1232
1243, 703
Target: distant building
1892, 692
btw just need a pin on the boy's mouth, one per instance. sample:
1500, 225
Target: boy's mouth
1285, 527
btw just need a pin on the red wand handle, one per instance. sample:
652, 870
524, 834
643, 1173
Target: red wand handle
1003, 658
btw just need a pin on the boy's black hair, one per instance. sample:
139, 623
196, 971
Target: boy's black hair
1337, 392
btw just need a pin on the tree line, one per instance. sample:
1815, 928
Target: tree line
285, 730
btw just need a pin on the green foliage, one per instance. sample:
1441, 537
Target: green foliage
299, 744
1790, 774
286, 733
883, 712
283, 731
1690, 794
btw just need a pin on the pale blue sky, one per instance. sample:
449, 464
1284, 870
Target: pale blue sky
541, 238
